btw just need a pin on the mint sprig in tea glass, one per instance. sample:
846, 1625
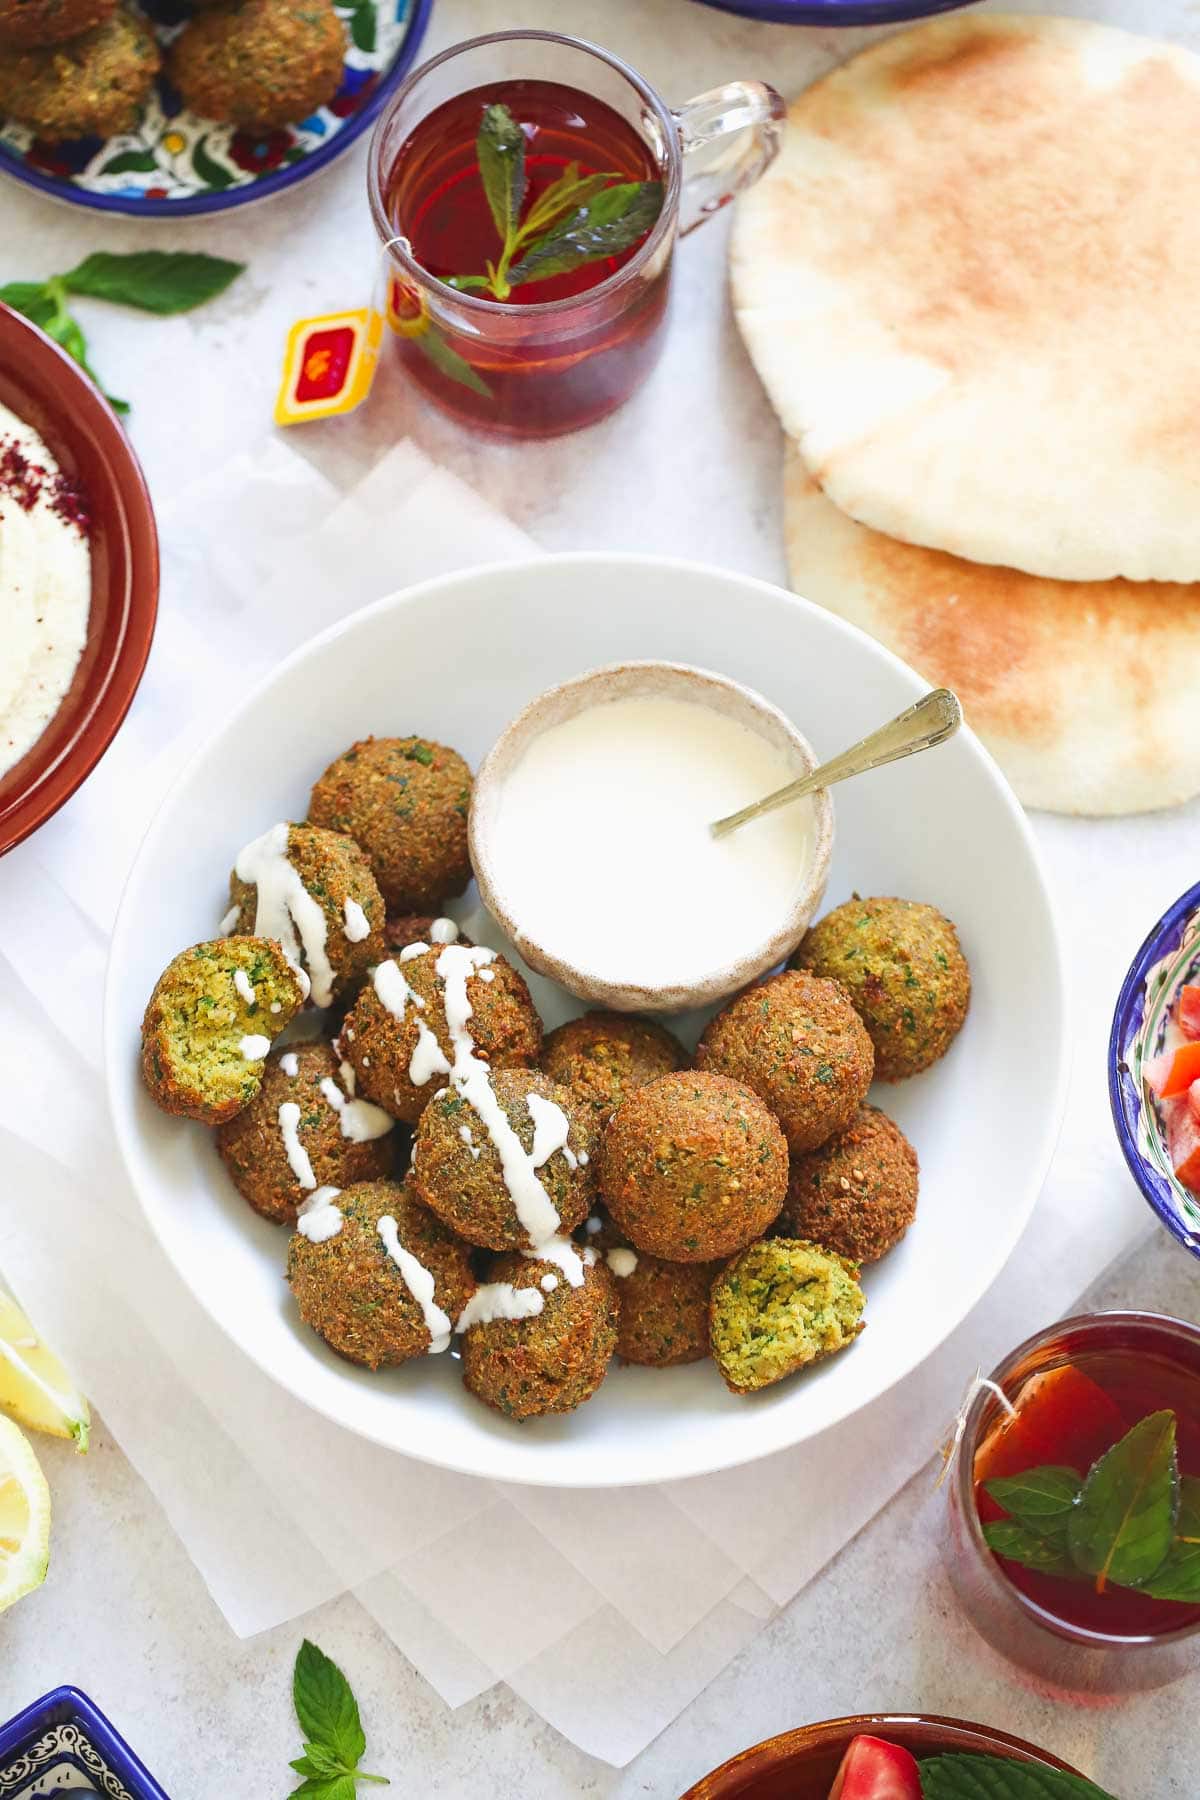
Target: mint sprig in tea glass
528, 189
1072, 1528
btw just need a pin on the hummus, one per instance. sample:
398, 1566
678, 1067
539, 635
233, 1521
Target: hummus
45, 587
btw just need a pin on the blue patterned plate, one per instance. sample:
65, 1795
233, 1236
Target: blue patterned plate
836, 12
175, 164
64, 1745
1169, 957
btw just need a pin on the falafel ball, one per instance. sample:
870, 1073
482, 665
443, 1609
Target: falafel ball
209, 1024
693, 1167
259, 64
336, 1139
406, 801
663, 1318
857, 1194
458, 1171
604, 1056
397, 1038
335, 873
904, 969
798, 1042
27, 24
354, 1288
779, 1306
555, 1358
94, 85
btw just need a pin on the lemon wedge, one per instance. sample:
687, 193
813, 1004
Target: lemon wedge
24, 1517
35, 1389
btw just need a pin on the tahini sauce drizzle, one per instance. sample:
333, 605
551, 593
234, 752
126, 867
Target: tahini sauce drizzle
420, 1284
285, 910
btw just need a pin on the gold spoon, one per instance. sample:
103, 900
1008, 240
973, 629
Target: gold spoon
931, 721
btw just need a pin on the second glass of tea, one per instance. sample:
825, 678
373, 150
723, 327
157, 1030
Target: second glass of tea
528, 190
1072, 1530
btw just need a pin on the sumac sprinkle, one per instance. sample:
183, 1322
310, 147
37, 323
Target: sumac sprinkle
27, 482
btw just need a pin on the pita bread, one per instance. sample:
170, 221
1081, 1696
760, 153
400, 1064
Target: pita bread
970, 282
1085, 692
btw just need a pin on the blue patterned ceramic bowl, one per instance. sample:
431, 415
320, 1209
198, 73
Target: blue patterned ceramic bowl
836, 12
63, 1744
1169, 956
175, 164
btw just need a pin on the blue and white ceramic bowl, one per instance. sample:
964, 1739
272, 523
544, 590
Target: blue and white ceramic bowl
175, 164
1169, 957
63, 1744
837, 12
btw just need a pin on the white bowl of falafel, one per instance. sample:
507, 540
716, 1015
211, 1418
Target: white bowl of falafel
519, 1237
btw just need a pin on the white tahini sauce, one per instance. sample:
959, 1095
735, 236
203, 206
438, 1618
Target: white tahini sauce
357, 927
297, 1155
289, 1062
550, 1128
319, 1219
622, 1262
443, 931
285, 910
499, 1300
419, 1282
227, 924
565, 1256
359, 1119
45, 588
242, 983
254, 1046
646, 894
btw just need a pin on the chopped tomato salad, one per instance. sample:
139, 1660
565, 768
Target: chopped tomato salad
1173, 1077
874, 1770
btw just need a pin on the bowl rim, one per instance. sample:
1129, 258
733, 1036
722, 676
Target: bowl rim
767, 1755
1154, 1191
119, 1074
538, 716
276, 181
74, 398
837, 12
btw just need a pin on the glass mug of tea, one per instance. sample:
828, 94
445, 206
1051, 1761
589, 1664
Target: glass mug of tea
528, 189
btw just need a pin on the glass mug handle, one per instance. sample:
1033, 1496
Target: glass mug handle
751, 115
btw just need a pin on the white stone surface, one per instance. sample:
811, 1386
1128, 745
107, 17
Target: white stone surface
690, 467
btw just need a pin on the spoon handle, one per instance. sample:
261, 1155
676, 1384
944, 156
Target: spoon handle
933, 719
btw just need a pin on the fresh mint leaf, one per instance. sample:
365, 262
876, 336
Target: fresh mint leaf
157, 281
500, 152
1040, 1498
961, 1777
443, 357
564, 196
1014, 1540
325, 1706
319, 1761
611, 222
1178, 1578
28, 297
1124, 1523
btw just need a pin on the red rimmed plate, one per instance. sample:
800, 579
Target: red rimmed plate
43, 386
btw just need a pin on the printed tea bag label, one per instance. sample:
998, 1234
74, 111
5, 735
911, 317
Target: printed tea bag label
329, 365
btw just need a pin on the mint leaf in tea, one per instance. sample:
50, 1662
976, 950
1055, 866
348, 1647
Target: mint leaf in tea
1090, 1495
526, 192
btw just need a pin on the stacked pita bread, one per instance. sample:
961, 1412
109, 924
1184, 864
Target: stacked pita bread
970, 285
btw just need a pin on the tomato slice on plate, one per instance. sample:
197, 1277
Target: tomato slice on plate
875, 1770
1189, 1011
1184, 1069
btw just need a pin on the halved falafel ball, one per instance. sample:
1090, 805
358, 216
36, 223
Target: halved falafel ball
304, 1129
553, 1360
692, 1167
336, 950
798, 1042
94, 85
26, 24
904, 969
779, 1306
406, 801
260, 63
458, 1170
857, 1194
602, 1057
365, 1289
209, 1024
396, 1036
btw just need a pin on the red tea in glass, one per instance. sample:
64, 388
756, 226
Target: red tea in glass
1078, 1392
545, 355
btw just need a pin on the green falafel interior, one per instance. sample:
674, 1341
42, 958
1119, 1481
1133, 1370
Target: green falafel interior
782, 1304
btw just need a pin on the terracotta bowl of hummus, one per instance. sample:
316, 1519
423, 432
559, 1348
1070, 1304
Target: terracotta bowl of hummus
78, 577
801, 1765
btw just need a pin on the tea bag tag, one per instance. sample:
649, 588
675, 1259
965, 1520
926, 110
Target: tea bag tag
329, 363
978, 1382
